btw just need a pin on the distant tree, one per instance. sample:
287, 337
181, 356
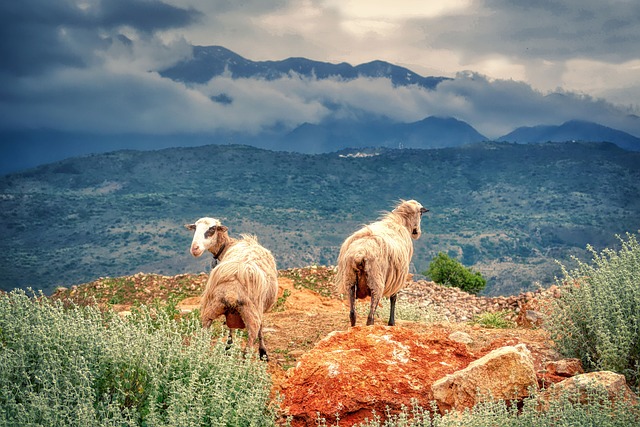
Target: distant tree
447, 271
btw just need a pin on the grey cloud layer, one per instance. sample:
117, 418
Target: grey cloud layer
92, 69
551, 30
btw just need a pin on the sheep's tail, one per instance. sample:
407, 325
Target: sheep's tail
351, 269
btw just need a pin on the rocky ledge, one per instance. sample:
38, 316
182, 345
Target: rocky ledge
456, 305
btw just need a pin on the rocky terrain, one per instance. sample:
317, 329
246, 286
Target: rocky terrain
322, 367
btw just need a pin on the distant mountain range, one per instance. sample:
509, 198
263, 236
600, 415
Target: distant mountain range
20, 150
208, 62
432, 132
211, 61
574, 130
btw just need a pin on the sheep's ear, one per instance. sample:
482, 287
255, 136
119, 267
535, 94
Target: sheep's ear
222, 228
423, 210
190, 226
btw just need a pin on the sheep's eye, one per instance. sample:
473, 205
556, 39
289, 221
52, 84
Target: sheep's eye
210, 232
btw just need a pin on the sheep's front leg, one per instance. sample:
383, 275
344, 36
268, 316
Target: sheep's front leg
375, 300
352, 303
262, 348
392, 309
229, 340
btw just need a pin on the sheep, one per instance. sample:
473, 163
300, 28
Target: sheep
374, 261
205, 239
242, 286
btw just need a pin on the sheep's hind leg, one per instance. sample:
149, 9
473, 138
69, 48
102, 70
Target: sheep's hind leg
352, 303
251, 319
375, 300
262, 348
392, 309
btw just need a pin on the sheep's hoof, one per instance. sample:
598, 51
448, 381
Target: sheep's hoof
263, 355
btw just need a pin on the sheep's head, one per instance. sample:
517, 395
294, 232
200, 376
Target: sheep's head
206, 234
411, 212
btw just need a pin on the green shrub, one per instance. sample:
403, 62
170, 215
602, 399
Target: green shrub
497, 320
446, 271
597, 317
82, 367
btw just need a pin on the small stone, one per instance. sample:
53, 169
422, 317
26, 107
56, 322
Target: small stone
461, 337
564, 367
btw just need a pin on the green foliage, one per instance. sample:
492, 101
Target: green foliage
597, 317
280, 302
446, 271
83, 367
496, 320
596, 410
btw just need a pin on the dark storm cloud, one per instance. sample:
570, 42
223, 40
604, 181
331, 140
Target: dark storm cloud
36, 35
145, 15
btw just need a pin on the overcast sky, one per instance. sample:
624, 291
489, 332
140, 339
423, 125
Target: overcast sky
91, 65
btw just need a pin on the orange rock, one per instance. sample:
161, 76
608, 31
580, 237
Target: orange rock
506, 374
564, 367
368, 368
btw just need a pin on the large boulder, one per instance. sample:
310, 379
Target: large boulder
353, 373
506, 373
580, 387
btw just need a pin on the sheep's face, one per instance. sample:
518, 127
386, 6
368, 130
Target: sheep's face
411, 213
205, 236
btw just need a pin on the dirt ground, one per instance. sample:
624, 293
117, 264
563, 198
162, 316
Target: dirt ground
307, 311
306, 317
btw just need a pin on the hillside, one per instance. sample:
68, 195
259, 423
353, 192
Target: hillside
573, 130
306, 294
507, 210
431, 132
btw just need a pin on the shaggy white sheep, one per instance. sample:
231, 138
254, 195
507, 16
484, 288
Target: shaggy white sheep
244, 284
374, 261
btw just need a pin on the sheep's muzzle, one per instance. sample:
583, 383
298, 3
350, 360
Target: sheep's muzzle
196, 251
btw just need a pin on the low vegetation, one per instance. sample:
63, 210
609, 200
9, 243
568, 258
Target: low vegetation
498, 320
73, 365
596, 411
597, 317
80, 366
